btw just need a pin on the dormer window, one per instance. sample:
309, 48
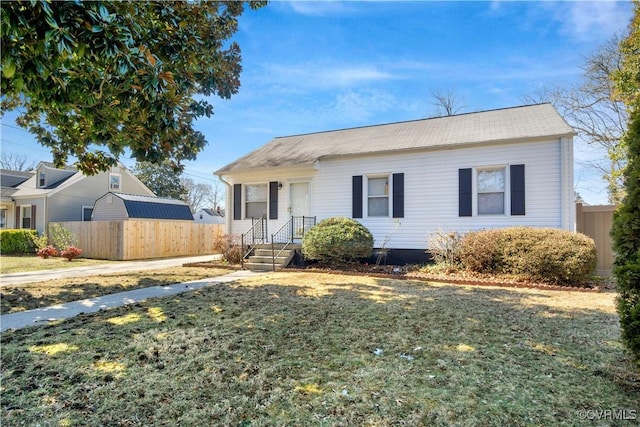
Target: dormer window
42, 179
114, 182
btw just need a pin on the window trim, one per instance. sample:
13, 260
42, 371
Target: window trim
111, 186
42, 178
22, 217
505, 191
389, 196
82, 212
6, 217
245, 201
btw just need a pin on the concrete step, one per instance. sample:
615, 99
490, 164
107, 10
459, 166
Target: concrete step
258, 267
281, 260
268, 253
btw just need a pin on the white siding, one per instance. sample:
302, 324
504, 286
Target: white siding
430, 187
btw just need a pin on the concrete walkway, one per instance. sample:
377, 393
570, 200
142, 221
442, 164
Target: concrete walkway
64, 311
100, 269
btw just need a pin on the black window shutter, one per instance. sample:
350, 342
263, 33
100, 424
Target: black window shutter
273, 200
33, 217
464, 192
517, 190
237, 201
357, 197
398, 195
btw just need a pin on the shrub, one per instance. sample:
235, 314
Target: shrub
227, 245
70, 253
444, 247
40, 242
61, 237
337, 240
548, 255
47, 251
17, 241
478, 251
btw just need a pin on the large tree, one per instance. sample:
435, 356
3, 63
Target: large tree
626, 223
96, 78
599, 117
161, 178
16, 162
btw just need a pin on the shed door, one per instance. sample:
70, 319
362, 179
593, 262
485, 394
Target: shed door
299, 199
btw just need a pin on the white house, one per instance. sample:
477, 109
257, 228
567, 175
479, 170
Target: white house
49, 194
403, 181
209, 216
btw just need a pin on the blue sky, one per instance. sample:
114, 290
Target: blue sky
314, 66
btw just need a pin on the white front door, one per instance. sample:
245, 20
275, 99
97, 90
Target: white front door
299, 199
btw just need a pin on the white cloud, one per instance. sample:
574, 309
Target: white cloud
359, 106
592, 20
319, 8
311, 76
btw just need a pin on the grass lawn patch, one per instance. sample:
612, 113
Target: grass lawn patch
21, 263
326, 350
28, 296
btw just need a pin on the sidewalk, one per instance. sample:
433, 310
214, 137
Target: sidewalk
64, 311
97, 270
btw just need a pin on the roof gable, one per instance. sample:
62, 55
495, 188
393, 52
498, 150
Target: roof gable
503, 125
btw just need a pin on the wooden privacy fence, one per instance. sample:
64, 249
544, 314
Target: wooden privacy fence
596, 222
143, 239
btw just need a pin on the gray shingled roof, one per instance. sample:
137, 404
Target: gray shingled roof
509, 124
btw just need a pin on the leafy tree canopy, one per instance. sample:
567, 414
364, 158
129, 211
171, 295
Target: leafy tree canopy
95, 78
161, 178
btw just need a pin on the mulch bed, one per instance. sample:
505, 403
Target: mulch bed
407, 273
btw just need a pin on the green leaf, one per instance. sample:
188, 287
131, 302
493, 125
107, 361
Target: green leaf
8, 68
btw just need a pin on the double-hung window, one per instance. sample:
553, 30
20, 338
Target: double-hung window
491, 191
25, 216
378, 196
114, 182
255, 200
42, 179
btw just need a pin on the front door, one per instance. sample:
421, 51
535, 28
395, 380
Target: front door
299, 200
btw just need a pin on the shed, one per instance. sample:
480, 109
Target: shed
118, 206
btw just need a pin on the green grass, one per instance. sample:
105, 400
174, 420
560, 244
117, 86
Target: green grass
325, 350
28, 296
22, 263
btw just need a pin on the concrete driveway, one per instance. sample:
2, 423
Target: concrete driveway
100, 269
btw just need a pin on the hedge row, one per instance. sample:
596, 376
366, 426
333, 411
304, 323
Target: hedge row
17, 241
540, 254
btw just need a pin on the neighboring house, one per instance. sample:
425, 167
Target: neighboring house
404, 181
50, 194
209, 216
9, 182
118, 206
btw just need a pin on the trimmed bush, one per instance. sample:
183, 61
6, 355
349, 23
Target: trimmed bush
46, 252
71, 253
337, 240
17, 241
542, 254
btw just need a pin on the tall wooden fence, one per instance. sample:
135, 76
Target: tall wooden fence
596, 222
143, 239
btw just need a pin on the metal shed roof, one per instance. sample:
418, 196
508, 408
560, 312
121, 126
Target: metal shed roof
155, 207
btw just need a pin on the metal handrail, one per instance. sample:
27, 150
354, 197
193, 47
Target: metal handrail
291, 235
258, 223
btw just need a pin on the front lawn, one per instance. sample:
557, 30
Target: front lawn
21, 263
329, 350
28, 296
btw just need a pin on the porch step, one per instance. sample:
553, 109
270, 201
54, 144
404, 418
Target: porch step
262, 260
